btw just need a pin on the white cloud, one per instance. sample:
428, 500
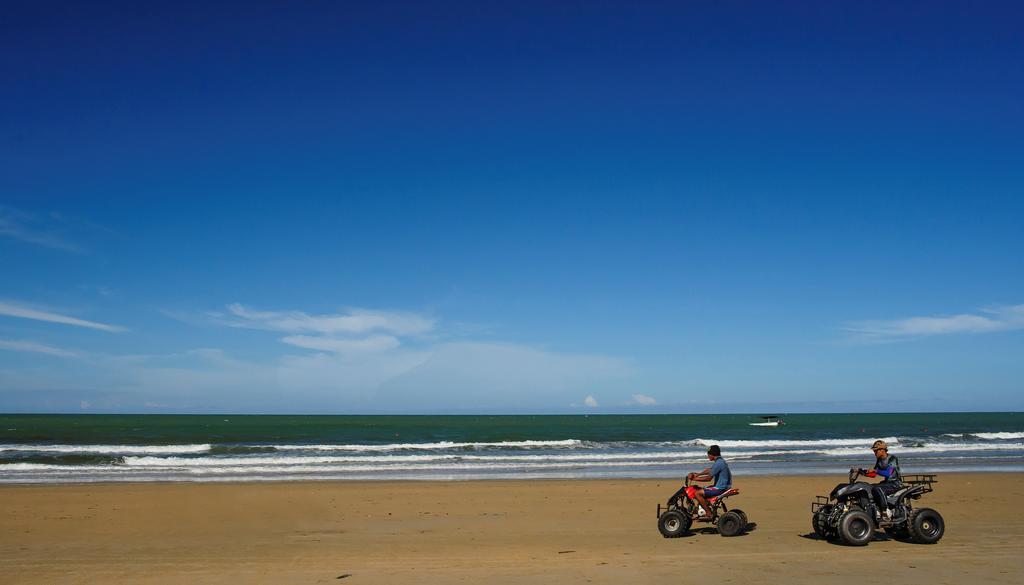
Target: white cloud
1004, 318
354, 332
373, 343
590, 402
23, 312
356, 321
34, 347
644, 400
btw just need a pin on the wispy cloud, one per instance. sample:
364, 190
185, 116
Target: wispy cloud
29, 228
373, 343
990, 320
644, 400
355, 321
23, 312
34, 347
590, 402
355, 331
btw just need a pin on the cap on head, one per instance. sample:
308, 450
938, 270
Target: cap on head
879, 444
714, 450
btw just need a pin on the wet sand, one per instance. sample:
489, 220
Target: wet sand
495, 532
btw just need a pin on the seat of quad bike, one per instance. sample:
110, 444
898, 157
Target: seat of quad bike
726, 494
894, 497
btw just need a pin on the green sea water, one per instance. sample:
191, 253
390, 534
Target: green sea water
184, 429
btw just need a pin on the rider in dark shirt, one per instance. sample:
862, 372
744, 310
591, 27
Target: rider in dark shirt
888, 467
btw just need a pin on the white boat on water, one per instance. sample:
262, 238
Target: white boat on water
770, 421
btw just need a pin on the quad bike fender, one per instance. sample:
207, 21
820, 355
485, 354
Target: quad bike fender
691, 492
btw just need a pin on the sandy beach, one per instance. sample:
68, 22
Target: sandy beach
584, 531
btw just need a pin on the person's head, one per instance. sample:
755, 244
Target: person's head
880, 449
714, 452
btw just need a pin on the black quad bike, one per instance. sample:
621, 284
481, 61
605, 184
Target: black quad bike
849, 514
680, 512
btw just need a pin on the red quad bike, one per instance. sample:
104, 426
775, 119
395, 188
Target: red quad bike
680, 512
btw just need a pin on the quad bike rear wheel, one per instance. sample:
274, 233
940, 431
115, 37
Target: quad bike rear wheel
673, 524
743, 517
926, 526
731, 524
856, 528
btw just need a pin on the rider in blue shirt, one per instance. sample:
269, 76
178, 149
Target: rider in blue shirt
718, 473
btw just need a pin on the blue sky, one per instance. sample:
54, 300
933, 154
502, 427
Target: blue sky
462, 207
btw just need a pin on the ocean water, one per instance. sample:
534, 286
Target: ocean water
114, 448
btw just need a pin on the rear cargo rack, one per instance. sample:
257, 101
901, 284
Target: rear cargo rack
925, 480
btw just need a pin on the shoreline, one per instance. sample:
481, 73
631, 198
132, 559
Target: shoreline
742, 471
271, 482
498, 531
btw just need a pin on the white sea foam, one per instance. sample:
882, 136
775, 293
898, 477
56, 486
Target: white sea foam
110, 449
12, 467
446, 460
387, 460
465, 460
801, 443
306, 468
441, 445
910, 451
449, 470
282, 460
987, 436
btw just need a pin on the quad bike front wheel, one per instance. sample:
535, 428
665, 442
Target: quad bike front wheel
673, 524
856, 528
731, 524
926, 526
819, 522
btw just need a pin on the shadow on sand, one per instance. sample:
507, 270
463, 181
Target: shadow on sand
751, 526
878, 537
